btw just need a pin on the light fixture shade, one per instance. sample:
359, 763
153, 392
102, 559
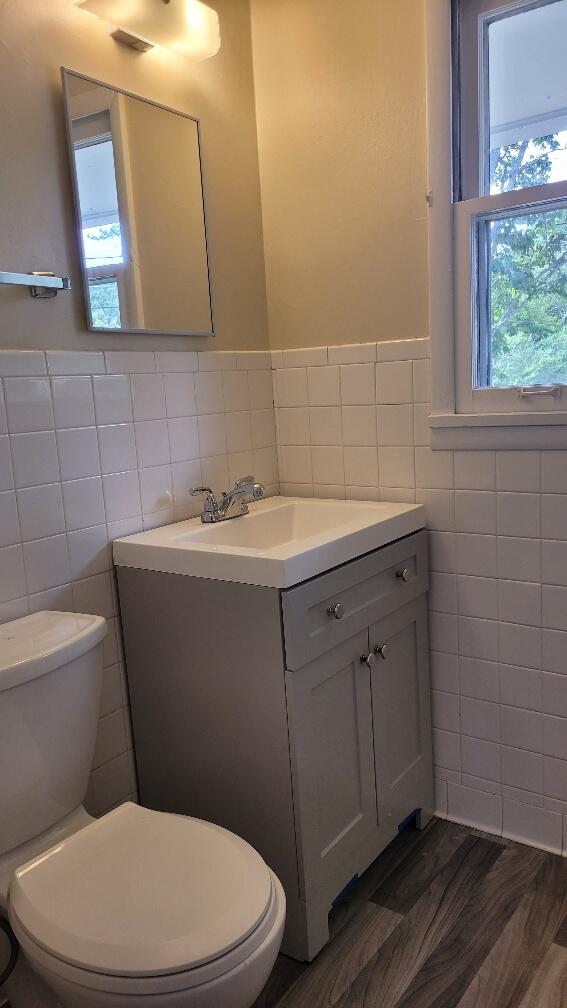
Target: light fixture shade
188, 27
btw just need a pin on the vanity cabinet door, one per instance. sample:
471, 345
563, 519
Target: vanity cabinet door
334, 793
401, 713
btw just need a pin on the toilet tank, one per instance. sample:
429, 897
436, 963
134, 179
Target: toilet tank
50, 679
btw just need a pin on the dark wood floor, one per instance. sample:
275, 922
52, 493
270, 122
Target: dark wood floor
447, 918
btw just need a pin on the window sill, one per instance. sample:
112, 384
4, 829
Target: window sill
505, 431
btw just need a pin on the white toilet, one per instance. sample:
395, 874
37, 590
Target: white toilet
137, 904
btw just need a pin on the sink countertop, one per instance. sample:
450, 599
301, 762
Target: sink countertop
281, 542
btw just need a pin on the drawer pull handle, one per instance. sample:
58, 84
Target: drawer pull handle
382, 650
337, 610
404, 574
368, 659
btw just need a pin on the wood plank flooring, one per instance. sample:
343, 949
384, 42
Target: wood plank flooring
447, 918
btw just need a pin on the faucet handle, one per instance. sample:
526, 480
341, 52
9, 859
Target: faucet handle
210, 502
195, 491
255, 489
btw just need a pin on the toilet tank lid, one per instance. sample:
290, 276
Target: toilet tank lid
37, 644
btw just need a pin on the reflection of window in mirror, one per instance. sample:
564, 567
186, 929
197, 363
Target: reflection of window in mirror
100, 226
100, 152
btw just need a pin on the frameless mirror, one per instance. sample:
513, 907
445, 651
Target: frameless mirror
140, 211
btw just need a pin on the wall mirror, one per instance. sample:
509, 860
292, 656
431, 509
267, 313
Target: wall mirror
140, 211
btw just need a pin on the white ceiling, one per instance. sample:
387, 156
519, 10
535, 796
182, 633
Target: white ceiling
97, 184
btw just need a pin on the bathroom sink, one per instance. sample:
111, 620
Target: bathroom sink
282, 541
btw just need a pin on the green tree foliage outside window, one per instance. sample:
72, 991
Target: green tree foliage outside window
528, 275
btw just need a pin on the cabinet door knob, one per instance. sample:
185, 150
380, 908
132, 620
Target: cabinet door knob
403, 574
382, 650
368, 659
337, 610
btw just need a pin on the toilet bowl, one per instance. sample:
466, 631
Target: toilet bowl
143, 903
137, 907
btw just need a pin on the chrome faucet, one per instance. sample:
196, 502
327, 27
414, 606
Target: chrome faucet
232, 503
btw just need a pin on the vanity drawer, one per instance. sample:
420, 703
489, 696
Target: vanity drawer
363, 591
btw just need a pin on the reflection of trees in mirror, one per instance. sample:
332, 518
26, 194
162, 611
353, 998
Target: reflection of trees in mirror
102, 245
528, 272
104, 302
105, 232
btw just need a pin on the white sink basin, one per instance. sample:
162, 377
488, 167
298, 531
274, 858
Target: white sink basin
282, 541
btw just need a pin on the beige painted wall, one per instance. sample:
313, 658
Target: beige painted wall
38, 231
340, 95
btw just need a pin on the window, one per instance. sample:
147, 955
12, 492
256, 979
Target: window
522, 324
101, 232
510, 205
104, 299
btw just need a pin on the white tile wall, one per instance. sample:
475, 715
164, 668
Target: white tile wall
498, 556
98, 445
362, 412
93, 446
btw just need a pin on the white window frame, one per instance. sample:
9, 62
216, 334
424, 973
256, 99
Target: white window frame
463, 417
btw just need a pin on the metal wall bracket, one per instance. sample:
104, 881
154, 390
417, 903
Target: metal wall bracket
120, 35
41, 284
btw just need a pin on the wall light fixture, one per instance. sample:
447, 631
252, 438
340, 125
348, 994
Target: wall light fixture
188, 27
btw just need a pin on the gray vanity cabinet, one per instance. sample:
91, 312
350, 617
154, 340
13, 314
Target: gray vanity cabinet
268, 712
332, 755
401, 711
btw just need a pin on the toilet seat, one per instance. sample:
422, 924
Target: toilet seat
230, 965
81, 910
